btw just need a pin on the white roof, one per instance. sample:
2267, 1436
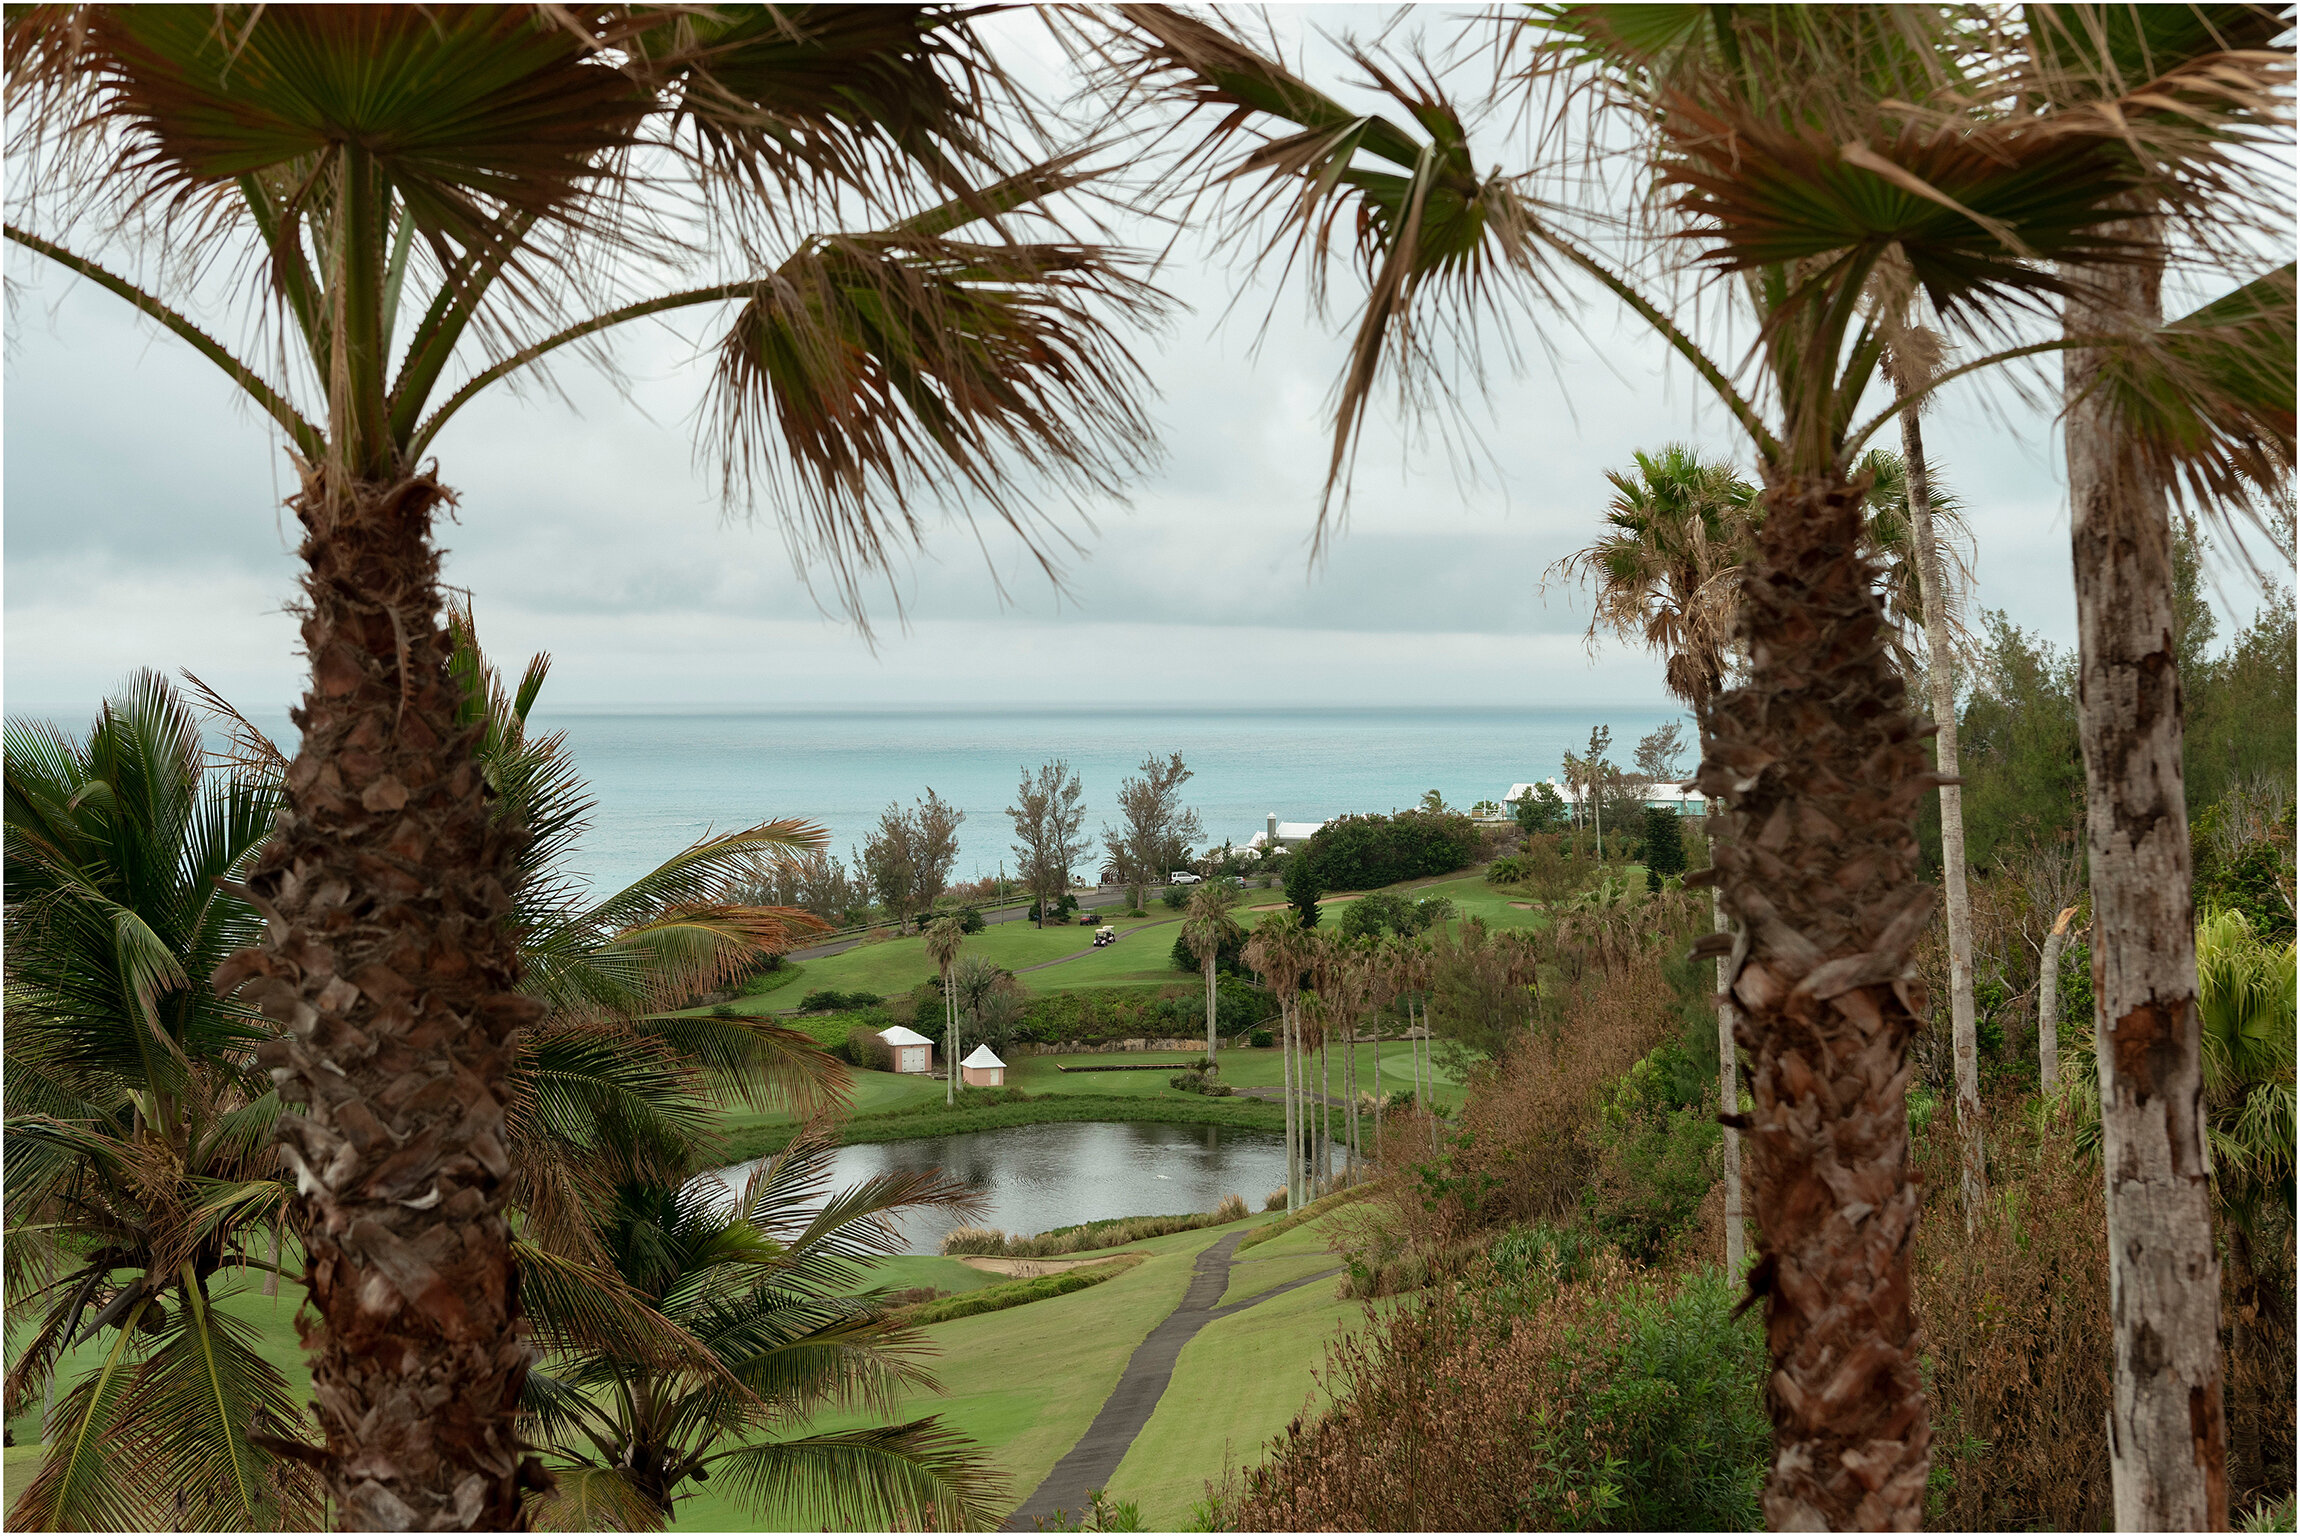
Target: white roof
1661, 794
982, 1057
1288, 832
901, 1036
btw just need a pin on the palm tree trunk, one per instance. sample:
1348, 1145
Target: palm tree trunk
1293, 1129
2167, 1423
1729, 1105
272, 1275
387, 958
2048, 1006
1964, 1038
1377, 1087
1822, 767
1325, 1112
949, 1043
1209, 1012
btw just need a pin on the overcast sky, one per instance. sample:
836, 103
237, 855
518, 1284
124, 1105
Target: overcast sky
143, 527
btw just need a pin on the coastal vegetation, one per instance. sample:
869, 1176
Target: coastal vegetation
1798, 1202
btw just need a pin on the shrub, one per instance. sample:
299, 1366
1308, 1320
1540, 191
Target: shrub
1359, 853
1275, 1200
1544, 1405
969, 920
1064, 905
1505, 871
1664, 846
1175, 898
866, 1049
1261, 1039
1198, 1080
827, 1001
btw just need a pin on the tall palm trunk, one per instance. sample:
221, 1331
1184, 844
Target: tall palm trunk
1293, 1126
2048, 1006
1209, 964
2167, 1427
1823, 768
1377, 1087
386, 888
1729, 1103
1325, 1111
1963, 1037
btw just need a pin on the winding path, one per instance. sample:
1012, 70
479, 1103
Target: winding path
1094, 1460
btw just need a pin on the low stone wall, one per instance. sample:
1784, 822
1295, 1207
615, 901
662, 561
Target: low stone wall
1195, 1044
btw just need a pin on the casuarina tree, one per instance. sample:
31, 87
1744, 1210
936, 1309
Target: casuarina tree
1048, 811
428, 203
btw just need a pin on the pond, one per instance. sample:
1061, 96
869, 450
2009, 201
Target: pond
1035, 1177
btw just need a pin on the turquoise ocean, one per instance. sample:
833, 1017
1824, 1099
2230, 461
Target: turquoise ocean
662, 780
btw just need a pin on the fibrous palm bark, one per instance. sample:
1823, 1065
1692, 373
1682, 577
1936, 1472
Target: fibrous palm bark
389, 964
1821, 767
2167, 1424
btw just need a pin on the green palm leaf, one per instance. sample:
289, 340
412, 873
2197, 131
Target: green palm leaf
896, 1476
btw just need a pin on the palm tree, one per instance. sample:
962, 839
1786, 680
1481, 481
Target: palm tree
138, 1126
1783, 154
1668, 575
2245, 1003
766, 1294
1278, 951
2203, 403
1208, 928
1921, 597
944, 936
469, 192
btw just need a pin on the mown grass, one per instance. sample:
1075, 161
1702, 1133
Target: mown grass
1023, 1383
1236, 1385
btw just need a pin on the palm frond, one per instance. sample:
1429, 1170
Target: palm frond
584, 1498
871, 373
89, 1481
899, 1476
2209, 397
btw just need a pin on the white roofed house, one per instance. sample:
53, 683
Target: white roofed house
982, 1069
913, 1052
1672, 797
1283, 834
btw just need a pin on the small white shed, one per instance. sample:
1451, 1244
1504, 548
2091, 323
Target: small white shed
983, 1069
913, 1052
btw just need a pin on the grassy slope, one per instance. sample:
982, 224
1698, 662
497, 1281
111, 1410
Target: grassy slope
1238, 1381
1025, 1382
897, 965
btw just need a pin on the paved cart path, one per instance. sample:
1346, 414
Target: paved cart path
1094, 1460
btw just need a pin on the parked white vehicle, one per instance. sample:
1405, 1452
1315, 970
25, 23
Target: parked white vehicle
1183, 877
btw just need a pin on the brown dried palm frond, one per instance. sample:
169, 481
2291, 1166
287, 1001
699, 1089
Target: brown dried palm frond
877, 373
1448, 253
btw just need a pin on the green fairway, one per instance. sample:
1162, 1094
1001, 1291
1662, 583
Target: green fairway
897, 965
1238, 1382
1025, 1382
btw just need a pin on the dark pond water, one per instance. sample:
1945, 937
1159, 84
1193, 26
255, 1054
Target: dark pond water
1035, 1177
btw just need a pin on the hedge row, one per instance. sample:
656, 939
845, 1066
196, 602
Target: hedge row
1362, 853
997, 1298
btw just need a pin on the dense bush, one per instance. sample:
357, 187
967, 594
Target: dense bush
1064, 905
1261, 1039
866, 1049
1615, 1402
828, 1001
1380, 912
1197, 1080
1359, 853
970, 920
1660, 1152
1175, 897
1303, 888
1544, 810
